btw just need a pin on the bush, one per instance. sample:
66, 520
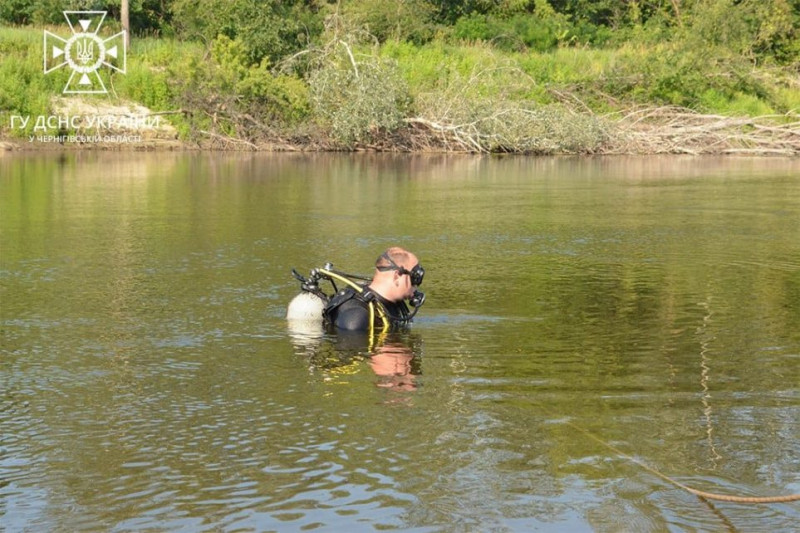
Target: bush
747, 28
268, 29
356, 100
410, 20
488, 111
587, 33
515, 33
228, 94
515, 29
16, 11
146, 16
701, 78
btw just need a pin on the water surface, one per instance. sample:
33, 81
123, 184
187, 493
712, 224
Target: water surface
582, 314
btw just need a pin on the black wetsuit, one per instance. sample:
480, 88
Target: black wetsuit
349, 310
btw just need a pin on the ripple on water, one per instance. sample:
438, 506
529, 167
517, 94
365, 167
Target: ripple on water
148, 382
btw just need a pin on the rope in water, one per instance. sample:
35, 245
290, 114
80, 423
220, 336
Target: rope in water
696, 492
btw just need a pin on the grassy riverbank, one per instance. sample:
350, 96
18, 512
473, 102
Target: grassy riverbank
348, 91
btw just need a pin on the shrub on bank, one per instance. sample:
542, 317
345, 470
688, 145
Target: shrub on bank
357, 99
518, 32
265, 29
410, 20
225, 94
492, 110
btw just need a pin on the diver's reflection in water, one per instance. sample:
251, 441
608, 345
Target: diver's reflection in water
395, 358
395, 363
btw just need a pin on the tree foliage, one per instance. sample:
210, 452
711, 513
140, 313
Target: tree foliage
408, 20
150, 16
268, 29
762, 29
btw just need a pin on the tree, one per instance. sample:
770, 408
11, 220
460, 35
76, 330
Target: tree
125, 16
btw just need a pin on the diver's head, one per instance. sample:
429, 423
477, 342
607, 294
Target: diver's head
397, 274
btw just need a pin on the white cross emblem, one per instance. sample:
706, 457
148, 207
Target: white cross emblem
85, 52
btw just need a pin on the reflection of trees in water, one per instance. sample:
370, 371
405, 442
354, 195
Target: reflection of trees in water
395, 358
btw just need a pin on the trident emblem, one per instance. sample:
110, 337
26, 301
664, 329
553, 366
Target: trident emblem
85, 52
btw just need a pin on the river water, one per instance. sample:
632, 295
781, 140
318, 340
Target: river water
591, 325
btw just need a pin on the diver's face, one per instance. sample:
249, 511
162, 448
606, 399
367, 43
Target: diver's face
406, 285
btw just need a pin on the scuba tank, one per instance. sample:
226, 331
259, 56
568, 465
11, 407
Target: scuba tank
308, 305
304, 313
305, 306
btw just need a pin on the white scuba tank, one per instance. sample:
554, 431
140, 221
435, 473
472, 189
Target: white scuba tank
305, 307
304, 318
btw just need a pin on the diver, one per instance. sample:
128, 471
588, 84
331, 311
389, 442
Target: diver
397, 276
369, 305
369, 316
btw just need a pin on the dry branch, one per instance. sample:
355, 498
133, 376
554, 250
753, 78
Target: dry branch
228, 140
676, 130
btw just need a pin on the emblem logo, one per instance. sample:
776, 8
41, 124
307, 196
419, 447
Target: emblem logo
85, 52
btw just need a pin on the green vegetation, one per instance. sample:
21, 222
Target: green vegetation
357, 99
23, 88
536, 76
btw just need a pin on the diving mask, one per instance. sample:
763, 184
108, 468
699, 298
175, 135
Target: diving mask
415, 274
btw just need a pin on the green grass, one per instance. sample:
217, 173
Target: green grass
24, 89
151, 69
150, 78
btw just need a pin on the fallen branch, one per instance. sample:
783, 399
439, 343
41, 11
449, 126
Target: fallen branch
677, 130
228, 139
